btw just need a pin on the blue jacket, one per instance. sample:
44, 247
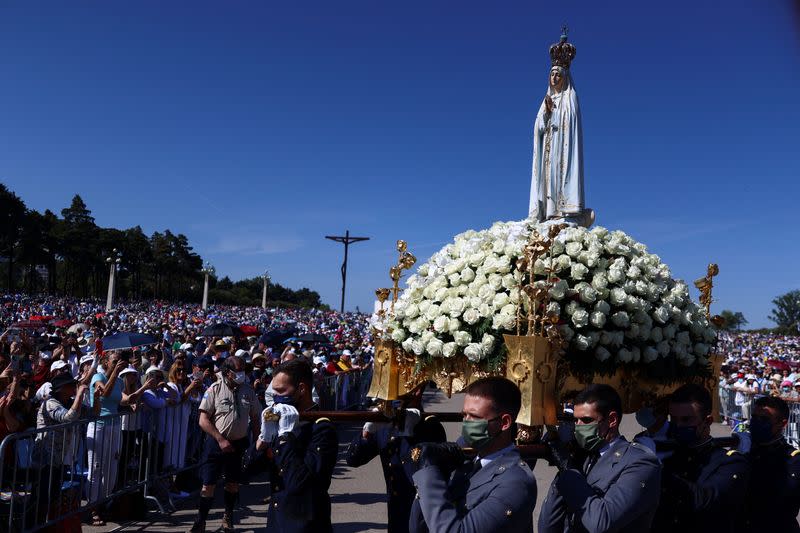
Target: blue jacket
397, 473
300, 478
703, 489
620, 494
498, 497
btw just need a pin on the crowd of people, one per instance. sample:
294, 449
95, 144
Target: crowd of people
191, 410
139, 407
758, 364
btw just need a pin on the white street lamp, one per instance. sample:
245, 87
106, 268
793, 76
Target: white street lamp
264, 294
208, 270
113, 262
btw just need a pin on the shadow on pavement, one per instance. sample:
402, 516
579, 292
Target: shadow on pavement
354, 527
361, 498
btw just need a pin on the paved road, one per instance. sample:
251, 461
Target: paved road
357, 495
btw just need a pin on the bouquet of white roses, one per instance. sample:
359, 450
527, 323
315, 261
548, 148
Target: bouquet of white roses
617, 303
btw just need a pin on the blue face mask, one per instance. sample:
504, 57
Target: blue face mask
283, 398
760, 430
685, 435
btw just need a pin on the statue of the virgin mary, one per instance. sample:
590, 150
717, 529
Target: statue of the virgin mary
557, 180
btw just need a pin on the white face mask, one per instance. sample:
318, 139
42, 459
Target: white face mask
239, 377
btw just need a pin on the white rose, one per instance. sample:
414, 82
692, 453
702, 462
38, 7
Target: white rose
456, 307
462, 338
432, 312
474, 352
509, 282
417, 347
618, 296
656, 334
467, 275
487, 343
496, 282
578, 270
649, 355
486, 293
563, 262
554, 308
399, 335
597, 319
599, 281
440, 294
624, 356
559, 289
501, 321
581, 342
571, 308
411, 310
573, 248
471, 316
434, 347
587, 293
449, 349
477, 258
601, 353
663, 348
509, 309
500, 299
566, 332
620, 319
580, 318
441, 324
454, 279
602, 307
454, 325
407, 344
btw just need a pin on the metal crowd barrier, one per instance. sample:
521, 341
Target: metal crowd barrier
51, 475
736, 407
344, 392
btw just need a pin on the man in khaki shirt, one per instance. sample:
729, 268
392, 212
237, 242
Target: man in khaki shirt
228, 406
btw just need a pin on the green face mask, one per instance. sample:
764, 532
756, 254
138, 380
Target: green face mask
476, 432
588, 437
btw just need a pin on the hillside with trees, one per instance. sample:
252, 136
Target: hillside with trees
44, 253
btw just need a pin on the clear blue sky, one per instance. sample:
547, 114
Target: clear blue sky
256, 128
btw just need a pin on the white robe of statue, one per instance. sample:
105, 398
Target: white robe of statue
557, 176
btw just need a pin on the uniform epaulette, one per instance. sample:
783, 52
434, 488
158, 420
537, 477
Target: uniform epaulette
794, 453
429, 417
731, 452
323, 419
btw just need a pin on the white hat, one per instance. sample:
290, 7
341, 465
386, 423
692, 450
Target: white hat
186, 346
57, 365
86, 359
129, 370
258, 355
153, 369
347, 353
317, 360
241, 353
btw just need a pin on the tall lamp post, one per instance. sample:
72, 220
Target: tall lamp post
207, 270
113, 262
264, 294
347, 240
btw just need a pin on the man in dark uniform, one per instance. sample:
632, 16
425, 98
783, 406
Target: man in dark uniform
773, 492
304, 455
613, 486
703, 485
393, 442
495, 491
